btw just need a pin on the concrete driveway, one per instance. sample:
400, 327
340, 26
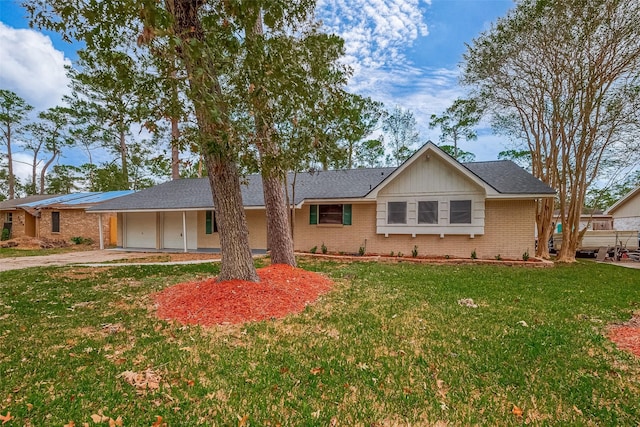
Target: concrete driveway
86, 257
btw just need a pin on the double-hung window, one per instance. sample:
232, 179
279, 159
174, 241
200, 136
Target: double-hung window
397, 213
460, 212
428, 212
9, 217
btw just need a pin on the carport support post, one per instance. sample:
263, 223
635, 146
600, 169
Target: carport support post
184, 230
100, 233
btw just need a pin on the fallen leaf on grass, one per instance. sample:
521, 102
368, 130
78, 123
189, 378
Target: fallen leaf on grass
517, 411
115, 423
6, 418
147, 379
242, 422
70, 424
99, 418
316, 371
157, 422
575, 408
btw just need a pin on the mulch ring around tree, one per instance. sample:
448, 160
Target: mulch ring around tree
627, 335
282, 290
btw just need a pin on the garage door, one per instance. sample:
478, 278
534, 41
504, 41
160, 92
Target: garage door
140, 230
172, 232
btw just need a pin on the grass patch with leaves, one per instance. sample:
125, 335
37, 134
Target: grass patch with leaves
390, 345
24, 252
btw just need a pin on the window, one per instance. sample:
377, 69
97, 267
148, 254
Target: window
460, 212
55, 222
9, 217
428, 212
330, 214
397, 213
210, 223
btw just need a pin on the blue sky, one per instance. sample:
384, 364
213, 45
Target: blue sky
402, 52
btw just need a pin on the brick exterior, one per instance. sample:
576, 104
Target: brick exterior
509, 232
74, 223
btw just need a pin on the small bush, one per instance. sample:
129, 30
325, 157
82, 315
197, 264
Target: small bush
400, 254
323, 248
525, 255
5, 234
391, 254
82, 240
447, 256
313, 250
361, 251
414, 252
474, 255
498, 257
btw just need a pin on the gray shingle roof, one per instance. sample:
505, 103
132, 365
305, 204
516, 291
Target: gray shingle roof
505, 176
508, 178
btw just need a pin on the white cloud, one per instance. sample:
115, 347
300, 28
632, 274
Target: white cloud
32, 67
376, 32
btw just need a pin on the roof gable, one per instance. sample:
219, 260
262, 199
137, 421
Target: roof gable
624, 200
430, 153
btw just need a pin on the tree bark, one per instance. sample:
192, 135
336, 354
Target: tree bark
279, 239
123, 157
237, 261
544, 218
175, 151
219, 157
43, 172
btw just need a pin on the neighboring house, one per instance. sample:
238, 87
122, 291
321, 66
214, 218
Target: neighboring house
62, 217
17, 220
626, 211
589, 218
431, 201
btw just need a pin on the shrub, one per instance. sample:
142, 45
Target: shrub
313, 250
323, 248
82, 240
525, 255
5, 234
361, 251
474, 255
414, 252
498, 257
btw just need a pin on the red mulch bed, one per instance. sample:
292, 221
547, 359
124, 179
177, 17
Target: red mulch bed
627, 335
282, 290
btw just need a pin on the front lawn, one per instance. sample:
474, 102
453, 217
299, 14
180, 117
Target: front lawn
390, 345
23, 252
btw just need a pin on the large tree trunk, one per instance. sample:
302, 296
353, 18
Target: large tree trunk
278, 231
237, 261
219, 157
544, 223
279, 239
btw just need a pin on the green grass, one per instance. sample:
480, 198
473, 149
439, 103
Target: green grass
390, 345
20, 252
